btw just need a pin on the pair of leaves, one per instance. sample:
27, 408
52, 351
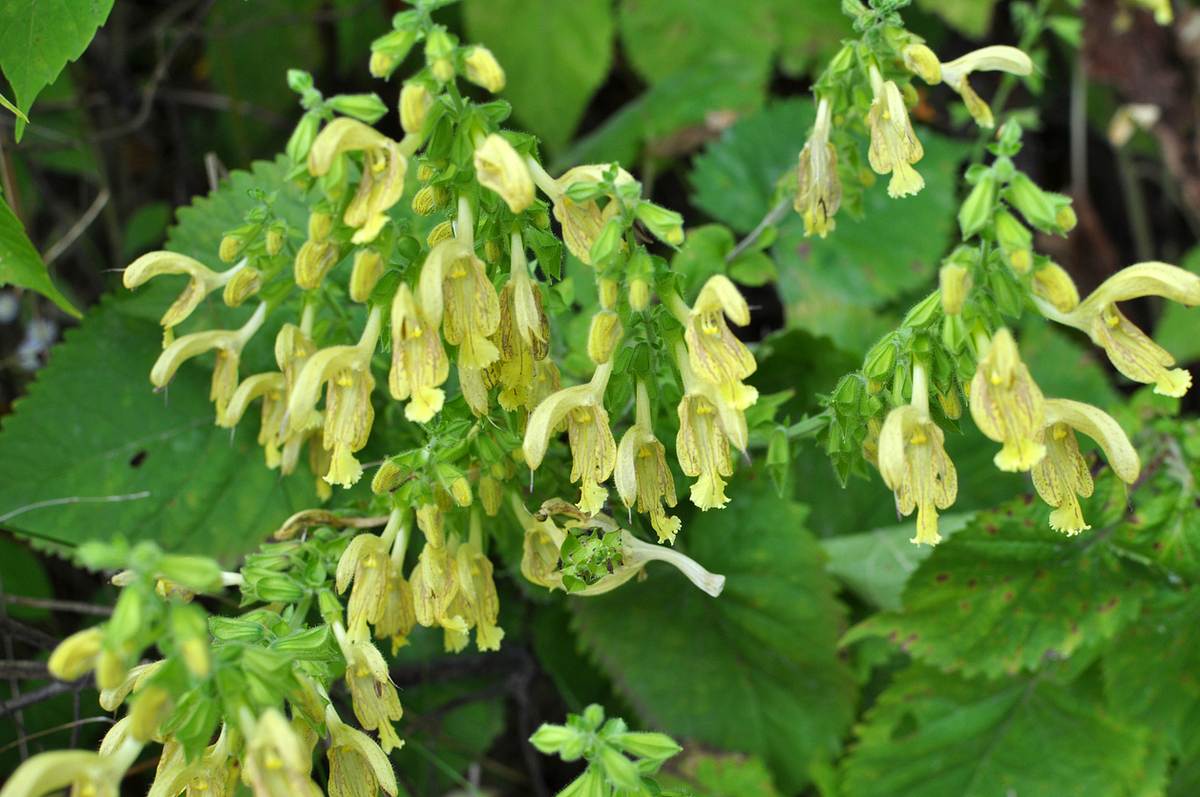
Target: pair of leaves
754, 670
91, 433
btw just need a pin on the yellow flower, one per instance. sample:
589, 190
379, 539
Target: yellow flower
1129, 349
1063, 476
474, 387
604, 335
435, 589
81, 771
358, 767
201, 280
819, 192
270, 388
913, 462
894, 145
228, 344
382, 181
714, 352
212, 774
523, 334
582, 222
996, 58
415, 102
1007, 404
477, 590
368, 270
707, 426
317, 255
642, 473
372, 693
499, 168
346, 372
398, 615
365, 563
541, 545
419, 363
456, 292
277, 762
593, 449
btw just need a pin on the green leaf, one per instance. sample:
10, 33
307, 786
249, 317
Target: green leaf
973, 18
20, 263
555, 56
1150, 669
6, 104
92, 451
754, 670
933, 734
720, 775
665, 37
1176, 330
1007, 593
39, 37
669, 116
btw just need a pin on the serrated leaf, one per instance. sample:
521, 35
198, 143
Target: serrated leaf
720, 775
92, 451
20, 263
933, 734
1007, 593
39, 37
753, 670
555, 56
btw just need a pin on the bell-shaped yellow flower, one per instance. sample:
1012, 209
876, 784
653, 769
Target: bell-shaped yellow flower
1063, 477
398, 615
582, 222
82, 772
914, 464
523, 335
1130, 350
202, 280
642, 475
270, 388
477, 589
819, 190
364, 563
435, 587
419, 363
500, 168
455, 291
357, 765
372, 693
1007, 404
708, 425
714, 352
593, 449
894, 145
276, 762
345, 371
213, 773
383, 168
228, 344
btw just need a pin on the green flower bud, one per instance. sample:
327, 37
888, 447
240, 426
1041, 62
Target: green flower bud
620, 771
276, 236
1035, 205
439, 48
655, 746
303, 136
666, 225
550, 739
607, 243
197, 573
954, 280
364, 107
976, 211
1016, 242
389, 50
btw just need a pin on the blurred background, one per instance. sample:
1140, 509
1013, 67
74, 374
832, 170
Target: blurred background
705, 101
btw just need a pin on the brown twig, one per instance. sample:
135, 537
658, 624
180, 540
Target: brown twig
75, 607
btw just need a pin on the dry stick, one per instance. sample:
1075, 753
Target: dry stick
77, 229
76, 607
14, 683
45, 693
30, 636
771, 219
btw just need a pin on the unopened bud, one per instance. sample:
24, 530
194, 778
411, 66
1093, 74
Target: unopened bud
110, 669
608, 290
415, 102
365, 275
313, 262
149, 708
364, 107
319, 225
639, 294
389, 50
484, 70
389, 477
1015, 241
303, 136
440, 232
666, 225
242, 286
429, 199
276, 235
1035, 204
490, 495
491, 250
76, 655
425, 172
1053, 284
922, 61
439, 46
603, 336
230, 248
976, 210
950, 404
197, 573
955, 282
1065, 218
655, 746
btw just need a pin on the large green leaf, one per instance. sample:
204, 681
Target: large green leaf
555, 55
754, 670
937, 735
92, 451
719, 775
21, 265
1007, 593
39, 37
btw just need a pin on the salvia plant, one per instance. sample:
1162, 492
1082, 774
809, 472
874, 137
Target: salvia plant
425, 296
